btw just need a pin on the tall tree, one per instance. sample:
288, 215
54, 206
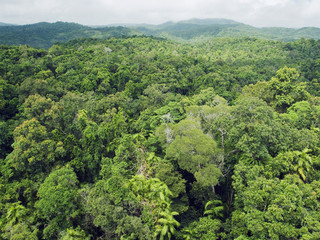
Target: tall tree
57, 204
195, 152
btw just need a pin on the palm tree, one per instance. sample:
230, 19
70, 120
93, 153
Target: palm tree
15, 214
166, 224
157, 195
214, 208
303, 163
159, 192
151, 190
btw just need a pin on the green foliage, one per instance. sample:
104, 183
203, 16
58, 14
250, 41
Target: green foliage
299, 162
57, 204
274, 208
34, 151
138, 138
73, 234
286, 90
299, 115
252, 129
19, 223
213, 209
260, 90
166, 173
206, 228
152, 190
166, 224
109, 201
5, 138
195, 152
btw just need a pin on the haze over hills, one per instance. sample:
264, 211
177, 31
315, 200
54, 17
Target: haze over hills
6, 24
195, 29
44, 35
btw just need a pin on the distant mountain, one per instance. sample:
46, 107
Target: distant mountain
190, 29
210, 21
288, 34
6, 24
202, 29
44, 35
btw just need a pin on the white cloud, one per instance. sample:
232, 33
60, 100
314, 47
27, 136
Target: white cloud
290, 13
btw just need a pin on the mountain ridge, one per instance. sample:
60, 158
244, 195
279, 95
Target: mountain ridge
208, 28
44, 34
6, 24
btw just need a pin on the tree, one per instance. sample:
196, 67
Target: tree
195, 152
57, 204
5, 138
268, 207
151, 192
299, 162
215, 119
116, 208
38, 107
132, 227
155, 195
33, 150
255, 134
74, 234
205, 228
286, 90
98, 140
166, 224
213, 208
19, 222
208, 176
299, 115
173, 179
260, 90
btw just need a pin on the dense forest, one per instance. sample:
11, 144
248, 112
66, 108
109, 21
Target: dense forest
147, 138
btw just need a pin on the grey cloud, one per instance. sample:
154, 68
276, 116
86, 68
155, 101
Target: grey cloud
288, 13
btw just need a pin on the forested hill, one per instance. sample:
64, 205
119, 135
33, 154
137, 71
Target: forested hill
2, 24
204, 29
145, 138
44, 35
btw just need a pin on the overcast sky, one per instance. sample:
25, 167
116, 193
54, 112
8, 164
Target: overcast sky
259, 13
